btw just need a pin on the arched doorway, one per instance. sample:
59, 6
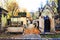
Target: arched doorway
46, 24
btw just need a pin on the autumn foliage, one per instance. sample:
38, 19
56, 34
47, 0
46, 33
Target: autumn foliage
13, 8
32, 31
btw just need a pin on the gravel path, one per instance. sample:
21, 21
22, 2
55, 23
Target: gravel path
27, 36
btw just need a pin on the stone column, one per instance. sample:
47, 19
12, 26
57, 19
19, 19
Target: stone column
41, 24
52, 25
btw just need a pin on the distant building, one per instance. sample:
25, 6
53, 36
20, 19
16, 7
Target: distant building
3, 14
58, 9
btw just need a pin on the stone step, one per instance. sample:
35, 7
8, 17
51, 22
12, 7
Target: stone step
47, 33
58, 32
